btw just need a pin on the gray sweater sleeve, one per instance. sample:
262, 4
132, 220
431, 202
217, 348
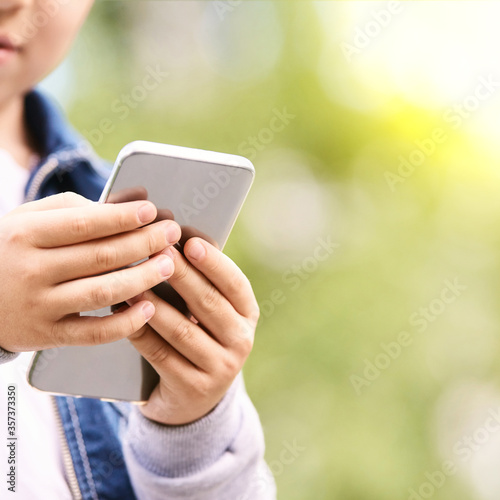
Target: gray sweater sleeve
6, 356
219, 457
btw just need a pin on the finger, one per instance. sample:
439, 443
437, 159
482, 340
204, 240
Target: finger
163, 357
189, 232
165, 213
62, 200
183, 335
87, 330
128, 194
205, 302
89, 294
67, 226
225, 275
107, 254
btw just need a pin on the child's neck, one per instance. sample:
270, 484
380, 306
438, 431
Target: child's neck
13, 134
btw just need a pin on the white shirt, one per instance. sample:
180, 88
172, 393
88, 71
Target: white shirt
39, 464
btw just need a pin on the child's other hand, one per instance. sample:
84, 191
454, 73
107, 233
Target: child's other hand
53, 255
197, 360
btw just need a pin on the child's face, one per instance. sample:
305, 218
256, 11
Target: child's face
34, 37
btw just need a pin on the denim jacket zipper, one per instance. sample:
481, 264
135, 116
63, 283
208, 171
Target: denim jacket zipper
56, 161
45, 171
74, 487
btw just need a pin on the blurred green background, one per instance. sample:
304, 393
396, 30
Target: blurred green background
386, 156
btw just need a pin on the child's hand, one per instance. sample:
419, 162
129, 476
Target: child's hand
197, 360
54, 252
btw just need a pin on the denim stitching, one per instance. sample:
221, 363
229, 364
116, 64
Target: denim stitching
81, 448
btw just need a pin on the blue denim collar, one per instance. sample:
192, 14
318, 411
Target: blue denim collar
48, 125
68, 162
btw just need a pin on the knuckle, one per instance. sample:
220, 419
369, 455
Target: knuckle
237, 282
254, 313
46, 299
231, 366
102, 295
16, 234
158, 355
22, 231
182, 332
32, 270
210, 300
202, 386
245, 346
70, 199
101, 334
245, 339
154, 242
80, 226
106, 256
181, 270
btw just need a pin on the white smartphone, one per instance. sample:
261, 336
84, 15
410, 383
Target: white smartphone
203, 192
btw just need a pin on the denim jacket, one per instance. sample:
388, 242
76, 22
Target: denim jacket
110, 450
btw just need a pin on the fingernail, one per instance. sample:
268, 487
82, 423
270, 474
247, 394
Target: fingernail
149, 311
166, 266
197, 251
172, 231
146, 212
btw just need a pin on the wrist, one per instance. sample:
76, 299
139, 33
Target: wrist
175, 417
181, 450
